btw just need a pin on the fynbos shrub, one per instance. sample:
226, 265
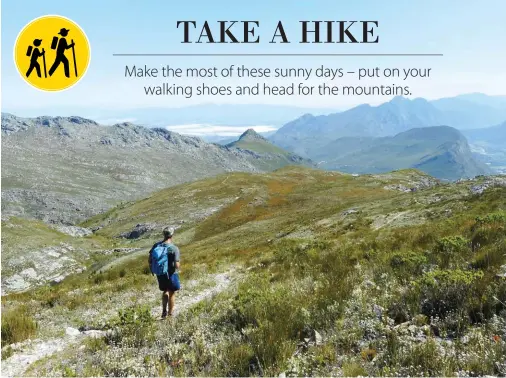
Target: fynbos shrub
452, 250
444, 291
17, 325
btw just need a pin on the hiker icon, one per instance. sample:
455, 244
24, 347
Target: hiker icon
61, 45
35, 54
49, 51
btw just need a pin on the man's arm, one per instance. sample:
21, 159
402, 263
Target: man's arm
68, 46
177, 258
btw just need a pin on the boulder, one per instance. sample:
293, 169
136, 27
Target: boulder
318, 339
94, 333
138, 231
72, 331
350, 211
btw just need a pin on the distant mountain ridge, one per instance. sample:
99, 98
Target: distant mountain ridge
390, 118
474, 110
328, 138
400, 114
440, 151
213, 114
494, 134
63, 169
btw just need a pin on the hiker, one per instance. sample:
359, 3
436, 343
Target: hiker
164, 263
34, 56
60, 53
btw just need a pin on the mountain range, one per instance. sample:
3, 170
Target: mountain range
310, 132
473, 110
362, 139
400, 114
65, 169
211, 114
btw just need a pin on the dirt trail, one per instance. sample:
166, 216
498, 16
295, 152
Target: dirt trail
222, 281
30, 351
385, 220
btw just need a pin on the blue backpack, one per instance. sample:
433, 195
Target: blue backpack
162, 258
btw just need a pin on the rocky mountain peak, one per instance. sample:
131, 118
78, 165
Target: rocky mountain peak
251, 135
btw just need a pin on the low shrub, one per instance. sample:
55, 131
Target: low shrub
133, 327
444, 291
17, 325
423, 359
452, 251
238, 360
488, 229
7, 352
352, 369
407, 264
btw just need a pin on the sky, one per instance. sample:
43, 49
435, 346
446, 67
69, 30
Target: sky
470, 35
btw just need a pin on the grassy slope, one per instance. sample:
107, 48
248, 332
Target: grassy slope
309, 267
259, 146
278, 156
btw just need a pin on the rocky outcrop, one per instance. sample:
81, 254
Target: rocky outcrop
138, 231
491, 182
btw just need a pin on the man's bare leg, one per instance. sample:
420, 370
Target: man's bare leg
172, 297
165, 301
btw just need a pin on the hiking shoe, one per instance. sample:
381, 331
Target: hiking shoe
164, 314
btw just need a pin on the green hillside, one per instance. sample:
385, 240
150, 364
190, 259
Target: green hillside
273, 156
251, 140
295, 272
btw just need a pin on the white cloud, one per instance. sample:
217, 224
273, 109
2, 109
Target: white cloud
201, 129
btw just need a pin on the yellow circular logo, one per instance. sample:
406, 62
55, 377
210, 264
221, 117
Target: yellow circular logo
52, 53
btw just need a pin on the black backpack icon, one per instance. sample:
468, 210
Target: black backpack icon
54, 43
29, 51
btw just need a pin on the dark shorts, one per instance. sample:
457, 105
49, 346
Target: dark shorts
168, 283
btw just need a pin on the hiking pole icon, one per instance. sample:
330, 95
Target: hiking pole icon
44, 61
74, 56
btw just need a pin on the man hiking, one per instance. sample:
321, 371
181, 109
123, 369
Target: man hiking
34, 56
164, 263
60, 53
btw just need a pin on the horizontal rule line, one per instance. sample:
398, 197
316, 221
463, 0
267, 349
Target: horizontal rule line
288, 54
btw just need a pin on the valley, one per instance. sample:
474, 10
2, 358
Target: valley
354, 286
